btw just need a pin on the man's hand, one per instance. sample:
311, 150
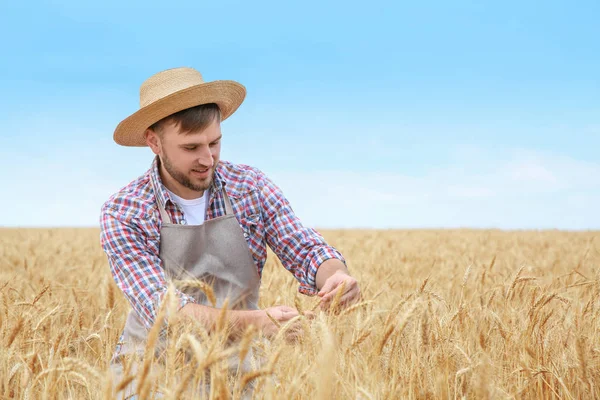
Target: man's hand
333, 285
280, 316
241, 319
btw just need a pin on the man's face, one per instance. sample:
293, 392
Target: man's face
189, 159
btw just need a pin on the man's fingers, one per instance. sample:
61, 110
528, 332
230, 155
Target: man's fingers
328, 287
348, 298
331, 295
287, 315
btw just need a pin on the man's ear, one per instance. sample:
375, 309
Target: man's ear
152, 141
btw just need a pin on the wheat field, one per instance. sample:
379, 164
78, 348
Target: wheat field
444, 314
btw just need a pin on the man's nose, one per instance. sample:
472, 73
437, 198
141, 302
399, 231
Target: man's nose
205, 157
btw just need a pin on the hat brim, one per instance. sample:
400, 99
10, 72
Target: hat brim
228, 95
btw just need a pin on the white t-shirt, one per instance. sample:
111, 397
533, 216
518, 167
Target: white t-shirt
193, 210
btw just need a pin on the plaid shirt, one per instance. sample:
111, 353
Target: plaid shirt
130, 232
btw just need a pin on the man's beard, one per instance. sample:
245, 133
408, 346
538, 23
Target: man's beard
183, 179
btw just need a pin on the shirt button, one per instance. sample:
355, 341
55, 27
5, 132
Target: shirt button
245, 235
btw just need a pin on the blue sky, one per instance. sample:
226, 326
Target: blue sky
367, 114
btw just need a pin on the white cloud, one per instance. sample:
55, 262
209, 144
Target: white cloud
514, 190
532, 172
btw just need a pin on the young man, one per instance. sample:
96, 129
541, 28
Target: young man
194, 216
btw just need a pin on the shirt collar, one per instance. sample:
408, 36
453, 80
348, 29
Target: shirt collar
163, 194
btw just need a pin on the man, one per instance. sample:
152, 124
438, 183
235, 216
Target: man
194, 216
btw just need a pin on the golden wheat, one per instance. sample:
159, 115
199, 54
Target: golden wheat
444, 314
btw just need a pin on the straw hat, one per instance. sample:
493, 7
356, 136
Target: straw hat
174, 90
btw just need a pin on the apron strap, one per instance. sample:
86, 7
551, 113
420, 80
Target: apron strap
164, 215
228, 207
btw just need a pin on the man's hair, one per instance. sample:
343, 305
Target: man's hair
190, 120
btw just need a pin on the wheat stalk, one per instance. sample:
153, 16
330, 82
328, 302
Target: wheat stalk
14, 332
198, 284
514, 282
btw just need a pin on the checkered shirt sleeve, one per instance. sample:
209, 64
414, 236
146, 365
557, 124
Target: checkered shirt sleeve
301, 249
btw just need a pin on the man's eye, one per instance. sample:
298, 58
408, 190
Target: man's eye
190, 148
214, 144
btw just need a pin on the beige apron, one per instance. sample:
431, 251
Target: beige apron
215, 252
